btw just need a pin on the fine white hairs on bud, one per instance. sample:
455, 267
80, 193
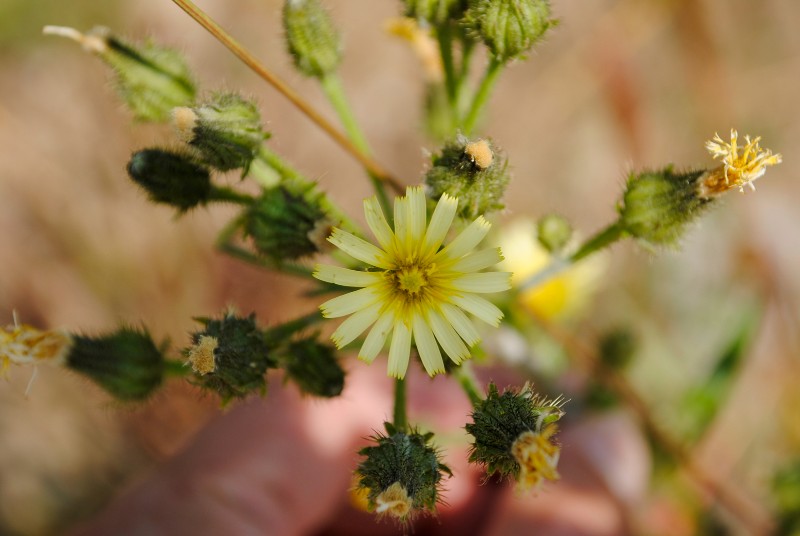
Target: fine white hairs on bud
201, 355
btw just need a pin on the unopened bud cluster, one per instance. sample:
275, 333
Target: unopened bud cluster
472, 171
435, 12
401, 473
513, 436
232, 355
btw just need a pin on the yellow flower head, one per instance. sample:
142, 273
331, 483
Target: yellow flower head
537, 456
740, 165
26, 345
414, 286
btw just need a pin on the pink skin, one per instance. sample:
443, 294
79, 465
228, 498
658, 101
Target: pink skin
283, 466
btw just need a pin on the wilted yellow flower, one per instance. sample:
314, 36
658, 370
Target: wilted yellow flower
26, 345
414, 286
560, 296
740, 165
537, 456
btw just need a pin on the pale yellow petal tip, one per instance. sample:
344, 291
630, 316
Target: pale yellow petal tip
741, 165
394, 501
537, 457
26, 345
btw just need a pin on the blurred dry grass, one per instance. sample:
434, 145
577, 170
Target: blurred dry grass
620, 84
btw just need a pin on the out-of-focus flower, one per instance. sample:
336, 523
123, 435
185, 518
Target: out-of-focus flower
422, 43
26, 345
562, 296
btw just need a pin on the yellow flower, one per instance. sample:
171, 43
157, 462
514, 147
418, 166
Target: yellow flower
740, 165
537, 457
26, 345
423, 44
561, 296
414, 287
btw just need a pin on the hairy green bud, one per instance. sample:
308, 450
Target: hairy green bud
125, 363
226, 130
617, 348
231, 356
312, 38
171, 178
657, 206
553, 232
435, 12
401, 473
288, 222
509, 28
472, 171
313, 367
512, 435
150, 78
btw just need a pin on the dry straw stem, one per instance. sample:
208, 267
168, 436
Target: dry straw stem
751, 515
257, 67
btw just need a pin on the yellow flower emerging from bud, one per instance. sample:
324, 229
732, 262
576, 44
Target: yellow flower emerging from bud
740, 165
537, 457
26, 345
394, 501
201, 355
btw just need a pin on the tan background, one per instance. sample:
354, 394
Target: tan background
620, 84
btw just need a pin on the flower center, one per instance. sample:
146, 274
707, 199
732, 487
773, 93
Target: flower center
411, 279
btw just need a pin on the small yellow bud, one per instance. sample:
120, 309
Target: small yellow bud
201, 355
480, 153
185, 120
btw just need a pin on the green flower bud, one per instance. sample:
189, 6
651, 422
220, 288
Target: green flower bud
125, 363
509, 28
617, 348
512, 436
231, 356
288, 222
312, 38
313, 367
553, 232
435, 12
226, 130
401, 474
657, 205
170, 178
472, 171
151, 79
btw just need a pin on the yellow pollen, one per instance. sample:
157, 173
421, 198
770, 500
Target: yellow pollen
201, 356
480, 152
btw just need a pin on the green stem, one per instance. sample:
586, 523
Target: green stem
444, 36
225, 243
482, 96
283, 331
230, 195
277, 163
334, 91
600, 241
176, 369
400, 421
467, 47
466, 378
